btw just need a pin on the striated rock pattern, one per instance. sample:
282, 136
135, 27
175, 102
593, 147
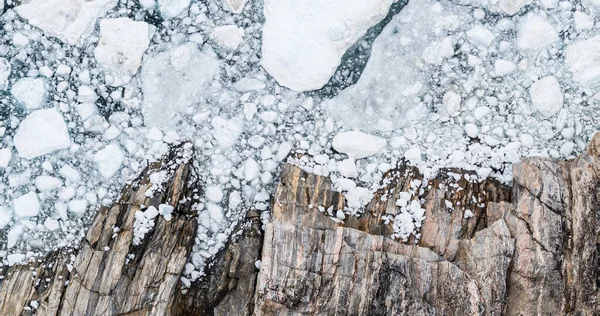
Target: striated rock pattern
109, 275
531, 250
484, 249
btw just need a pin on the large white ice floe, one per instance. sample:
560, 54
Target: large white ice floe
27, 205
174, 80
304, 40
120, 48
31, 92
546, 96
535, 33
357, 144
40, 133
583, 59
109, 160
66, 19
387, 94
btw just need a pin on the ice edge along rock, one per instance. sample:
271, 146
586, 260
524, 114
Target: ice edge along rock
529, 250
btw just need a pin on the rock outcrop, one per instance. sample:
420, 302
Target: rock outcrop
109, 274
484, 249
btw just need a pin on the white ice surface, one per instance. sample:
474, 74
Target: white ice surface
31, 92
120, 47
68, 20
174, 80
40, 133
304, 40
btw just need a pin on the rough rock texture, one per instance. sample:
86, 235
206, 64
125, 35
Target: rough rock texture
108, 275
529, 250
312, 265
228, 287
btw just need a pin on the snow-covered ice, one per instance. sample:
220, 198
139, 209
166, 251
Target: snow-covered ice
31, 92
583, 59
68, 20
535, 33
47, 183
388, 92
481, 35
174, 80
109, 160
303, 41
40, 133
5, 216
120, 47
583, 21
27, 205
78, 206
5, 157
229, 36
546, 96
357, 144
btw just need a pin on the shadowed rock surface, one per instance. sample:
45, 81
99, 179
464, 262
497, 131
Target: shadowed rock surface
526, 250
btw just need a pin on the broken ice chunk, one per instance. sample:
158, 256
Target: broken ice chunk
229, 36
31, 92
5, 157
535, 33
583, 59
303, 48
27, 205
235, 6
65, 19
120, 47
546, 96
172, 8
5, 70
109, 160
174, 80
40, 133
358, 144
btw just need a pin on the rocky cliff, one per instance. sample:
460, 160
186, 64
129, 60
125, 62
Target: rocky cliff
527, 250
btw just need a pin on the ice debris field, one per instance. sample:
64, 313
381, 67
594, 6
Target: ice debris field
91, 91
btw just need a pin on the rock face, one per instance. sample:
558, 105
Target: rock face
494, 250
108, 275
